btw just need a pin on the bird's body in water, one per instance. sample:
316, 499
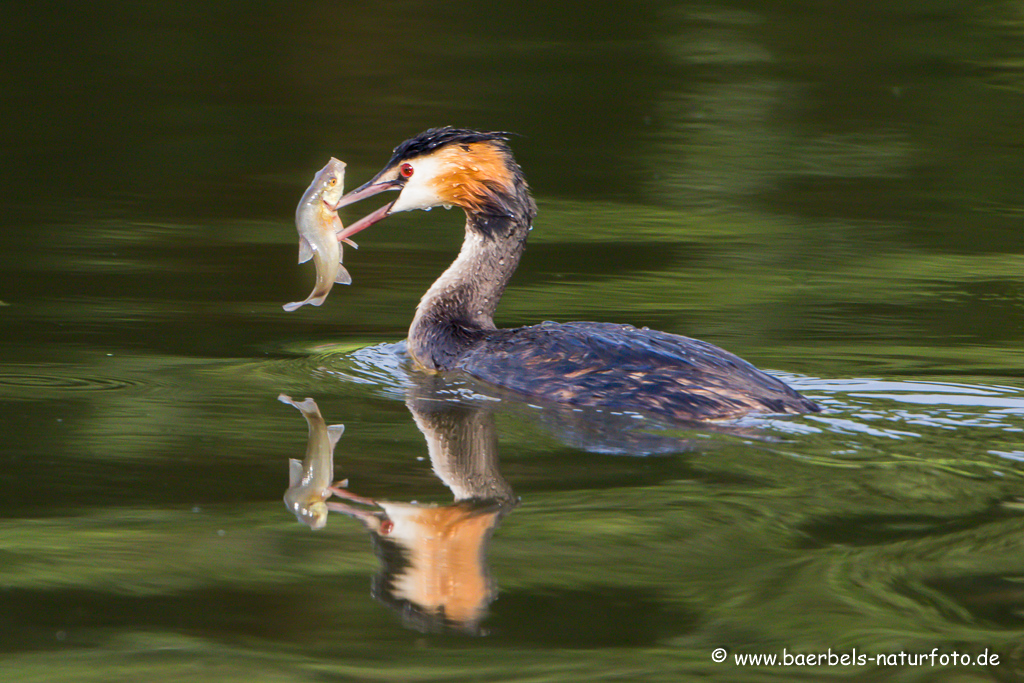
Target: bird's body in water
603, 365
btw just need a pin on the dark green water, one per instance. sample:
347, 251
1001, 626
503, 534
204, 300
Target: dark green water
830, 190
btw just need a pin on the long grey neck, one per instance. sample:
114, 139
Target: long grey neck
461, 303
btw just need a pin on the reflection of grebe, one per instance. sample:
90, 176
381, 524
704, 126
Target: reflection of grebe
587, 364
433, 558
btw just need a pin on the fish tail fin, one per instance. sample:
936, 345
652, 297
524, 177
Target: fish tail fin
316, 298
306, 406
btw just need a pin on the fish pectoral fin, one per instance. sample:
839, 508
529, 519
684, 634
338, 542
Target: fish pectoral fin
338, 228
334, 433
294, 472
343, 277
305, 250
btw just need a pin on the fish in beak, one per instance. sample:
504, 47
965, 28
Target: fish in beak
317, 222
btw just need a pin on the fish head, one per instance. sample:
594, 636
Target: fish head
313, 515
333, 181
327, 187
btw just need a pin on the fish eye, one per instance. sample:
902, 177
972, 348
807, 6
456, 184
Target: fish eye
332, 182
406, 170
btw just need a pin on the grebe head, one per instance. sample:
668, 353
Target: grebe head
445, 167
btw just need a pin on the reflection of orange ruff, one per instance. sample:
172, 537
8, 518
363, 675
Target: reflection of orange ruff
444, 547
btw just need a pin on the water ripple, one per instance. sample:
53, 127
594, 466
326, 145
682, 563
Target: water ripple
943, 405
16, 384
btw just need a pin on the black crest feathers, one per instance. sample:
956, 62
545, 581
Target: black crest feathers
435, 138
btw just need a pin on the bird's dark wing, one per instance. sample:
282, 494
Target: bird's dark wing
621, 367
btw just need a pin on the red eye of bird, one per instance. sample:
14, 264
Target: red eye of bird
405, 170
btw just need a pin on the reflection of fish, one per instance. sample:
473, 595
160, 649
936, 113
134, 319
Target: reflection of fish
309, 481
318, 224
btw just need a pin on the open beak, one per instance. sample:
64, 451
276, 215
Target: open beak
360, 193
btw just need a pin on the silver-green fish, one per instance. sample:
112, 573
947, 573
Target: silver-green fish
316, 219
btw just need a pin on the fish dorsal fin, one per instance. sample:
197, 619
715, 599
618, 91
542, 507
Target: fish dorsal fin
305, 250
334, 433
294, 472
343, 277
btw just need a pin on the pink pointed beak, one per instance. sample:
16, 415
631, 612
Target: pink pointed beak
360, 193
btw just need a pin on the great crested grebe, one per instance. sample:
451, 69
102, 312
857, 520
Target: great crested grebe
601, 365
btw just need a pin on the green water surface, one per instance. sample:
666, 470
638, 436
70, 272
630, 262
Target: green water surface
830, 190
